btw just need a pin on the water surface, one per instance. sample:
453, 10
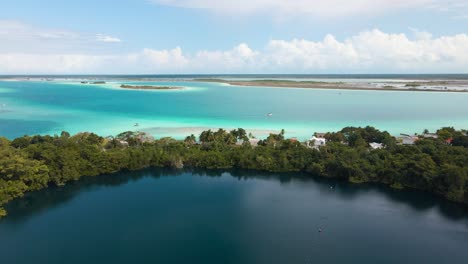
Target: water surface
48, 107
159, 216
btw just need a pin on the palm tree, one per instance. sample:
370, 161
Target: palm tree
190, 140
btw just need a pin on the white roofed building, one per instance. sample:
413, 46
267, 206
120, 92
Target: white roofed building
316, 142
375, 145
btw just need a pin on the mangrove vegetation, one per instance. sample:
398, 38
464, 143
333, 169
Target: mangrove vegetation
436, 163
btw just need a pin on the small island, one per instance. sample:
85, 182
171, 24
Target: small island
96, 82
149, 87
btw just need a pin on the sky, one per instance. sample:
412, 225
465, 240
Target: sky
242, 36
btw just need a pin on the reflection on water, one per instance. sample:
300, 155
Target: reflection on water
36, 202
176, 216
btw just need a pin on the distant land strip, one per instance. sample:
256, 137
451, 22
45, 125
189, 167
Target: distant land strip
419, 86
148, 87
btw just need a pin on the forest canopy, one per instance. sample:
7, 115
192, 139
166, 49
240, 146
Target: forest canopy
436, 164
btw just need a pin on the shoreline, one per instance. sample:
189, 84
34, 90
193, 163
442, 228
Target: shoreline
220, 150
411, 87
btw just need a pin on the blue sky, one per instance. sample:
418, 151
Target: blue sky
245, 36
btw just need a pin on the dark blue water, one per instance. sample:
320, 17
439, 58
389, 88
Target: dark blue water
158, 216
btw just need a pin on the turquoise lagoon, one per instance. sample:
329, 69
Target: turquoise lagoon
49, 107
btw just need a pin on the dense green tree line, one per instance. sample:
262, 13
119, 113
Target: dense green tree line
31, 163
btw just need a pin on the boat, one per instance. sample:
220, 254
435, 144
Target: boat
136, 124
270, 114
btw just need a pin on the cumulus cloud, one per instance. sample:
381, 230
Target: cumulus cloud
371, 51
167, 58
317, 8
239, 58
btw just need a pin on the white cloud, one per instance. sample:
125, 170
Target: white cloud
239, 58
449, 5
18, 37
460, 17
318, 8
370, 51
420, 34
167, 58
11, 27
14, 30
105, 38
21, 63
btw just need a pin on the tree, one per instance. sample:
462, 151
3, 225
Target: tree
444, 134
65, 134
447, 132
33, 163
130, 137
355, 140
206, 136
454, 178
335, 137
190, 140
2, 212
21, 142
240, 134
460, 140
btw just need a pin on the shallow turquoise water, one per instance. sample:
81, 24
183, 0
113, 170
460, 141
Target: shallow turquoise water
158, 216
30, 107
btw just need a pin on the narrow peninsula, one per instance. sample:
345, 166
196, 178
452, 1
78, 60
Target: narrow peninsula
426, 86
150, 87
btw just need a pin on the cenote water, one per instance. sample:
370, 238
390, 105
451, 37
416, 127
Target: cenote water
42, 107
160, 216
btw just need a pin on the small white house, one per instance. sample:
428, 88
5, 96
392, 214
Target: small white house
431, 135
407, 140
375, 145
316, 142
253, 142
123, 143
